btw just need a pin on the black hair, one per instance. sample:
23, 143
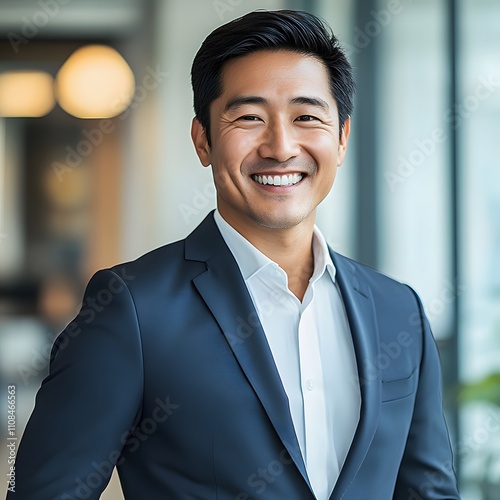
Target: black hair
293, 30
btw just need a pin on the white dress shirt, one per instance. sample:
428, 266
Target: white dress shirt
313, 351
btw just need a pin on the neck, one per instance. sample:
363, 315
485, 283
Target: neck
290, 248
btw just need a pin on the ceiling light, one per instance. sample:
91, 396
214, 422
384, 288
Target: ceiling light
26, 93
95, 82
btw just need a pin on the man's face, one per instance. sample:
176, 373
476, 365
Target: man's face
275, 144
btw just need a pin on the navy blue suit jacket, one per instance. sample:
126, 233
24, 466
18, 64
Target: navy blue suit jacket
166, 372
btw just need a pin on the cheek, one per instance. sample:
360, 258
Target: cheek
324, 151
327, 179
226, 171
233, 152
240, 139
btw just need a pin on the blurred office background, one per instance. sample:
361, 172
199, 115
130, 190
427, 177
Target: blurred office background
418, 197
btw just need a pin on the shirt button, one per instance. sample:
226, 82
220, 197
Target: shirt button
310, 385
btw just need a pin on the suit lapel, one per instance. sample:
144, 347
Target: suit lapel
224, 291
361, 315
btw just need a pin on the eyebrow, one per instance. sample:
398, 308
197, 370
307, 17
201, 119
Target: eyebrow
239, 101
311, 101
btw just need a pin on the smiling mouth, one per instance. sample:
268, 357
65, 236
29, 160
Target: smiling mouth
278, 180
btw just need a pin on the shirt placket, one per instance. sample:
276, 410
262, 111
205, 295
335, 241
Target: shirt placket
315, 415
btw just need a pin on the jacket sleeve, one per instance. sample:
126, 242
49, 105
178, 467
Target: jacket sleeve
89, 402
426, 470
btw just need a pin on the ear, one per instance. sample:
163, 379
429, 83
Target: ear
200, 142
344, 139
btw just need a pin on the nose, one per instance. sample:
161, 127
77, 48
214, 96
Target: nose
279, 142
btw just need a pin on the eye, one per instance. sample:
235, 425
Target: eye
306, 118
249, 118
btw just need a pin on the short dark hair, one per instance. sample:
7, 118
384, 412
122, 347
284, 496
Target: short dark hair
293, 30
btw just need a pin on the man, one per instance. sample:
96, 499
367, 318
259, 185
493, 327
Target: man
248, 360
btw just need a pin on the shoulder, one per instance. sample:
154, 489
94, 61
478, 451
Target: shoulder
386, 292
159, 271
164, 256
368, 275
170, 268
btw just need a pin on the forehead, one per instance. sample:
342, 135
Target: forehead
280, 73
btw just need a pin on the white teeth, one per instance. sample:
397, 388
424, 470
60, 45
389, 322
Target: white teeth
278, 180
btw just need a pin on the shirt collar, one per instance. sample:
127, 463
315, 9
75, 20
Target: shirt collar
322, 258
251, 260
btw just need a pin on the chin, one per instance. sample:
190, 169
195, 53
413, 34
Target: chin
280, 220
